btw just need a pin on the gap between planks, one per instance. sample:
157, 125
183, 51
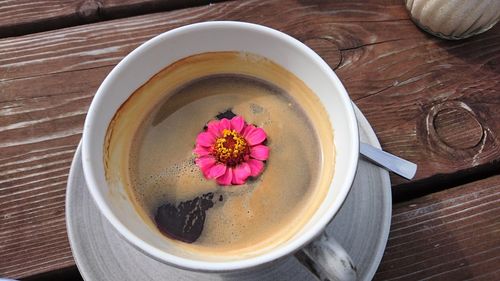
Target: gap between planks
42, 17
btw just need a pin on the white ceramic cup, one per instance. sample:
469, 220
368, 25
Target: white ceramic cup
154, 55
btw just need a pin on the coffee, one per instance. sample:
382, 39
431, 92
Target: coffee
152, 138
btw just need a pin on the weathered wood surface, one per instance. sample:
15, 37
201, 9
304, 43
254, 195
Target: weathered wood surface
20, 17
413, 88
448, 235
431, 101
407, 83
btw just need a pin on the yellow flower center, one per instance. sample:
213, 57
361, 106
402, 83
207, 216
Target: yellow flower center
231, 148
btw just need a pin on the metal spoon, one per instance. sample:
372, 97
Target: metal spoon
389, 161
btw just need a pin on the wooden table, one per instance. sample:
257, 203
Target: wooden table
434, 102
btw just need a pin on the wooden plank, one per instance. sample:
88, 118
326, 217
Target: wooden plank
449, 235
434, 102
47, 81
24, 16
426, 86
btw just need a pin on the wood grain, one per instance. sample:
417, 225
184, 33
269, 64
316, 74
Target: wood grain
22, 17
405, 86
400, 77
449, 235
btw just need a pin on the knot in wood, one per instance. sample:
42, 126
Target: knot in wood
326, 49
458, 128
89, 9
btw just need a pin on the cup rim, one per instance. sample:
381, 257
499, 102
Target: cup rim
218, 266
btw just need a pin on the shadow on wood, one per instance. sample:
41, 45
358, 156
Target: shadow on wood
38, 17
66, 274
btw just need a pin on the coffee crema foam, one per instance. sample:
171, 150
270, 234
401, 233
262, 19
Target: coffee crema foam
153, 134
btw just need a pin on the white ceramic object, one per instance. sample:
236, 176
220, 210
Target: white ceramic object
361, 226
148, 59
454, 19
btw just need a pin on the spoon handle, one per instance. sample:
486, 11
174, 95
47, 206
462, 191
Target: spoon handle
389, 161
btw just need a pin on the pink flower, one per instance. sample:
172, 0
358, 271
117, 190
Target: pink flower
230, 151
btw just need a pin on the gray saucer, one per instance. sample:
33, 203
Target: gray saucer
361, 226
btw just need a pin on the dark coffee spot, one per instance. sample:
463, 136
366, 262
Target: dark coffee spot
228, 114
185, 221
221, 198
256, 108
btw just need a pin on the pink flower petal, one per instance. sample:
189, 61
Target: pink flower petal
255, 136
226, 178
213, 127
237, 123
259, 152
216, 171
201, 150
205, 139
247, 130
256, 167
224, 124
241, 173
205, 163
